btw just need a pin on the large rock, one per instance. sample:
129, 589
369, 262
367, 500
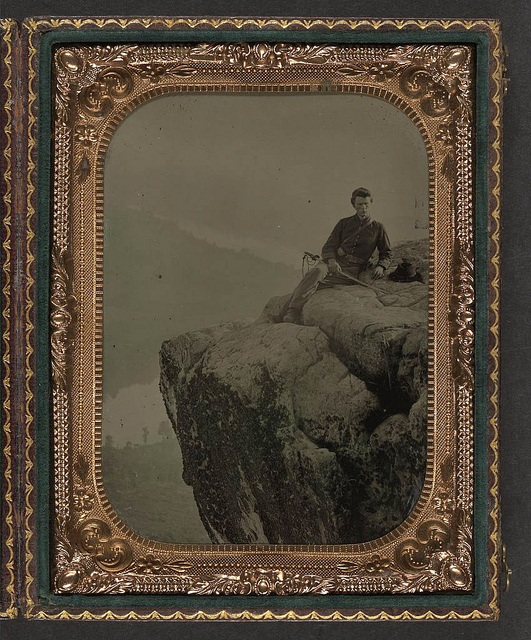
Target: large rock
311, 433
382, 338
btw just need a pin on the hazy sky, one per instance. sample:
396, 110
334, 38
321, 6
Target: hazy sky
270, 173
264, 176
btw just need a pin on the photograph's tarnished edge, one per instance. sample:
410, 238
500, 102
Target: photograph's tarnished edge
35, 27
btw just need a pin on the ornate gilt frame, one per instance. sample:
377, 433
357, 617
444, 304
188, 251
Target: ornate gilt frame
95, 87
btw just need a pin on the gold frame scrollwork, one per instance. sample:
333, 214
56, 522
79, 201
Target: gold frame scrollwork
96, 87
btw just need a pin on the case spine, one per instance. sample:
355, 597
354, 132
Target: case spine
9, 171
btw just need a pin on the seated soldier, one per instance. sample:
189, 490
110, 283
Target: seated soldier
346, 253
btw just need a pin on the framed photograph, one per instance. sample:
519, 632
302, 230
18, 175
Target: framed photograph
266, 290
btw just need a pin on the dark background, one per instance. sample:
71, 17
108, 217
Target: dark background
515, 621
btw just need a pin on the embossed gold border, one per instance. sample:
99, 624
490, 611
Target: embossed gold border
29, 427
97, 87
8, 30
307, 24
494, 320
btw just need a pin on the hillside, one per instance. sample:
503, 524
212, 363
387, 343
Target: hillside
160, 281
143, 483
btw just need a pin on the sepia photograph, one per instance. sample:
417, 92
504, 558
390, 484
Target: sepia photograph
266, 269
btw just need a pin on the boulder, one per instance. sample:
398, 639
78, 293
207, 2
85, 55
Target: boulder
305, 434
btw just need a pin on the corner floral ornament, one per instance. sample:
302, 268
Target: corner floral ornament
377, 565
81, 568
83, 499
152, 565
110, 553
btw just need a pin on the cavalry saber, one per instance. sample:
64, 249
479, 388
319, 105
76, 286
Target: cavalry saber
364, 284
349, 277
387, 293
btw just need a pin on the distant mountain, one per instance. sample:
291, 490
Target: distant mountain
160, 281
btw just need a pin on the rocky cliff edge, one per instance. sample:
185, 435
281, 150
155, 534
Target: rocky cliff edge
312, 433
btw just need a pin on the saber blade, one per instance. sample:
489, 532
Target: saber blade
364, 284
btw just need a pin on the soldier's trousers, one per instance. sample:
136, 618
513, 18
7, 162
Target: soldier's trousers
318, 278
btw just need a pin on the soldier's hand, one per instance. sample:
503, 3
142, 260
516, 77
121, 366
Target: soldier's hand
378, 272
333, 267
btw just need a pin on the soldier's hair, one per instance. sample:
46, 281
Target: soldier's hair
362, 193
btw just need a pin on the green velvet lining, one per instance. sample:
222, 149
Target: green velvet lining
43, 441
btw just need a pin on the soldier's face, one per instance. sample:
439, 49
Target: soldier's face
361, 205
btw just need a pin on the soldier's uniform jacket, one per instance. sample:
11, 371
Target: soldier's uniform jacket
358, 240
